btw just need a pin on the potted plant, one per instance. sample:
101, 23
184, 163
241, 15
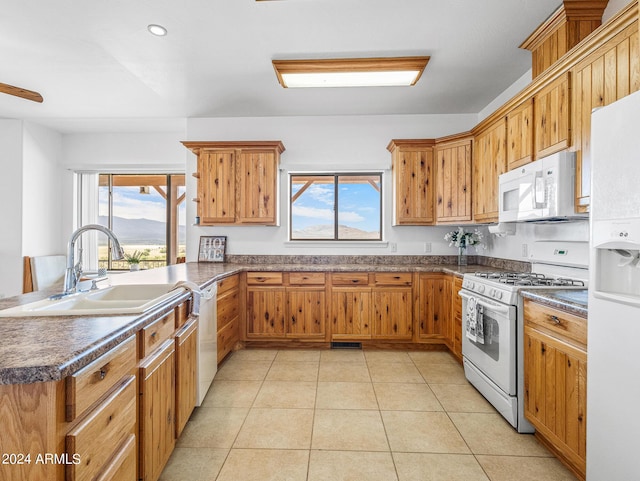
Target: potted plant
134, 259
462, 239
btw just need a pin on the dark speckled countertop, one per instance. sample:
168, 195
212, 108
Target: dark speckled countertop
38, 349
569, 300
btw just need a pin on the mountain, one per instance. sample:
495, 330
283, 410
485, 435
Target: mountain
325, 231
140, 231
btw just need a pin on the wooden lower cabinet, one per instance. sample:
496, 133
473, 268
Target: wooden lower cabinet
351, 313
456, 318
555, 383
186, 372
286, 305
157, 411
434, 312
393, 316
228, 315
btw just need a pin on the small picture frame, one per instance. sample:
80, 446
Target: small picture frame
212, 248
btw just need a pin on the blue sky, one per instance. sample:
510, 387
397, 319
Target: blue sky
130, 204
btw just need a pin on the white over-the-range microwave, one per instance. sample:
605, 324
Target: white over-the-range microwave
540, 191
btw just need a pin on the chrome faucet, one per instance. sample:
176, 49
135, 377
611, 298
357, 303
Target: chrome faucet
74, 270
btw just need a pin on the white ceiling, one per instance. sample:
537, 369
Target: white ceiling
94, 59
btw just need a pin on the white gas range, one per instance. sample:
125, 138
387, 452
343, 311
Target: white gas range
493, 323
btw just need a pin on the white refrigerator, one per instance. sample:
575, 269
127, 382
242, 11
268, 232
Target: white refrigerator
613, 363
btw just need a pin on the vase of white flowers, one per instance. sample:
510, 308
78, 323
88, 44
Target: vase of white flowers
461, 239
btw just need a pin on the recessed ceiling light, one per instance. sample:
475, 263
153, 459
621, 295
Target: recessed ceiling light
350, 72
157, 30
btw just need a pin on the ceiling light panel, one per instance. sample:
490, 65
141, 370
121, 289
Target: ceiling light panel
357, 72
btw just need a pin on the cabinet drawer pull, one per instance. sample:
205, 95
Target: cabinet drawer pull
555, 319
154, 334
103, 374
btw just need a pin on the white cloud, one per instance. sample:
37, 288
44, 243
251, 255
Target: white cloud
312, 212
132, 208
321, 194
350, 217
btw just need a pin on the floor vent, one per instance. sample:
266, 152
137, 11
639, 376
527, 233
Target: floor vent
346, 345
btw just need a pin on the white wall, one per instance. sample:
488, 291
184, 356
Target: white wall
42, 192
10, 198
323, 143
613, 7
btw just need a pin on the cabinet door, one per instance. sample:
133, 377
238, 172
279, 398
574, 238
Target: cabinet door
611, 73
413, 186
520, 135
489, 162
228, 308
306, 313
351, 313
552, 117
217, 187
453, 182
555, 393
393, 313
435, 306
456, 317
258, 193
157, 411
186, 373
266, 311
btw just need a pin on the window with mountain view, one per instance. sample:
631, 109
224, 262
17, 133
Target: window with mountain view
336, 206
147, 214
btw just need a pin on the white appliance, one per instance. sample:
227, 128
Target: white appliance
207, 340
539, 191
613, 374
494, 359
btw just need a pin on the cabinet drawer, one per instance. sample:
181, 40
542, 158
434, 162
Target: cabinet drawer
122, 467
156, 333
227, 284
227, 338
350, 279
182, 314
97, 438
93, 381
228, 308
392, 279
306, 278
555, 321
264, 278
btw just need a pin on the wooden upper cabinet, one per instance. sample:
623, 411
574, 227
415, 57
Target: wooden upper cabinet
237, 182
489, 161
413, 181
453, 179
552, 117
610, 73
520, 135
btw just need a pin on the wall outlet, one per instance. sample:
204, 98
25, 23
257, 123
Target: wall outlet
394, 246
525, 250
427, 247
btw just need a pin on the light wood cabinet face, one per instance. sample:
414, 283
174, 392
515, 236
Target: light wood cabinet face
552, 117
351, 313
413, 184
266, 311
555, 394
217, 187
157, 411
489, 162
228, 310
611, 73
453, 182
434, 320
306, 312
520, 135
186, 373
393, 313
456, 318
257, 187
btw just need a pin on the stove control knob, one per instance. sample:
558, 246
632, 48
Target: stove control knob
480, 288
470, 285
499, 294
492, 292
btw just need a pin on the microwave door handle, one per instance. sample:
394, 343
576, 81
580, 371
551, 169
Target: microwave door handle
486, 305
539, 191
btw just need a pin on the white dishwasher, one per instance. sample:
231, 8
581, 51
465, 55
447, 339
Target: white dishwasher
207, 340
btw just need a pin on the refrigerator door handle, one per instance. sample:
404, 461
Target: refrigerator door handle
608, 296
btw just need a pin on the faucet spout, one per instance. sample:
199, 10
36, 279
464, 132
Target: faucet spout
73, 271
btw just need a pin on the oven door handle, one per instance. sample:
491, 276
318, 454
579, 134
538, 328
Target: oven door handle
494, 307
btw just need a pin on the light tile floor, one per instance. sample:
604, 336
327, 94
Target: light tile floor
348, 415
